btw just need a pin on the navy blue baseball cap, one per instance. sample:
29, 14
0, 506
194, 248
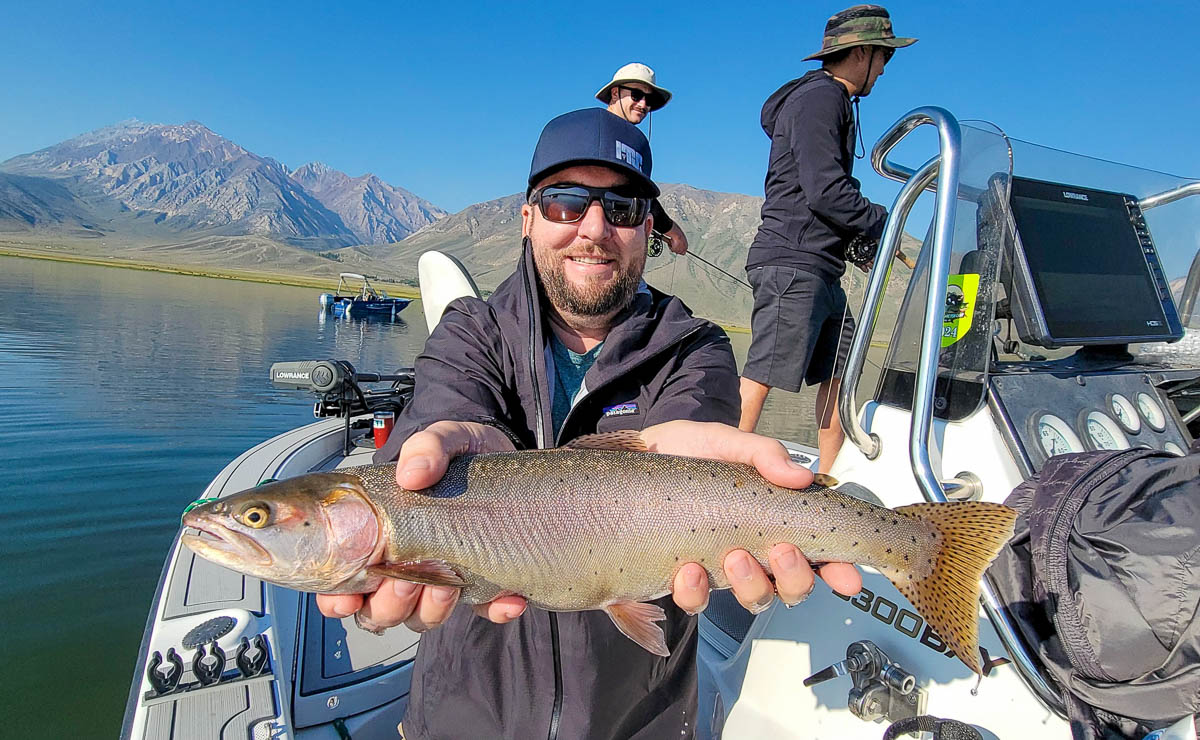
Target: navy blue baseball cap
592, 136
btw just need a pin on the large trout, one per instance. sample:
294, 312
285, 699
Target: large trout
572, 529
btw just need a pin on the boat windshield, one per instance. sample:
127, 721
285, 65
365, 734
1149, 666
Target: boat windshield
985, 168
982, 321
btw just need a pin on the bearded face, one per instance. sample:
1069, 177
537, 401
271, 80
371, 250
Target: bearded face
589, 269
590, 292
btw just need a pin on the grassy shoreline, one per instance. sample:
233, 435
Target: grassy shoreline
249, 276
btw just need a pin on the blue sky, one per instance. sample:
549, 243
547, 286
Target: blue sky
447, 99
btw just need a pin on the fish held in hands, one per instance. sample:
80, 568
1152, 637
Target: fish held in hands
581, 528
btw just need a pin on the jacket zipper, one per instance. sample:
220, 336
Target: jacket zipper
534, 360
556, 712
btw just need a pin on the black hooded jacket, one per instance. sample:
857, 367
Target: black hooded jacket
570, 674
813, 206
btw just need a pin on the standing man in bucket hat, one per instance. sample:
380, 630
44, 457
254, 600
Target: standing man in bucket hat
801, 327
633, 95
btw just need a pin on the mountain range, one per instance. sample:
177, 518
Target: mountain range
184, 195
152, 181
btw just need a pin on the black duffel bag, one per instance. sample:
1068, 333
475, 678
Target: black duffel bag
1103, 580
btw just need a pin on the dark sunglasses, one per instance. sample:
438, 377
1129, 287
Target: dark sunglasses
636, 94
566, 204
887, 52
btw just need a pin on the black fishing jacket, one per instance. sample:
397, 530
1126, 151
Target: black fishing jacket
813, 206
567, 675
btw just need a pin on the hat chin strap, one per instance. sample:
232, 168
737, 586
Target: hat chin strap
857, 97
625, 115
870, 66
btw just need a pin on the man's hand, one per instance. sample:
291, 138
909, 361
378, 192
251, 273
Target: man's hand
794, 578
677, 241
423, 461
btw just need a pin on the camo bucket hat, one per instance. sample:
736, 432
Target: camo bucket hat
861, 25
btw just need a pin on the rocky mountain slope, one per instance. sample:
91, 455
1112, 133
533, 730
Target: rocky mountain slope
373, 210
187, 178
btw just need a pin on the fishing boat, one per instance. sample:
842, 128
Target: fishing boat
361, 299
1003, 353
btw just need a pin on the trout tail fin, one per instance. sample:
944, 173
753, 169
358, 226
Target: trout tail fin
971, 534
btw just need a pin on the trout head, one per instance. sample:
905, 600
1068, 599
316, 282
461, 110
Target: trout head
311, 533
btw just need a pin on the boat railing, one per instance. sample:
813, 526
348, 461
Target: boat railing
944, 170
873, 301
1187, 305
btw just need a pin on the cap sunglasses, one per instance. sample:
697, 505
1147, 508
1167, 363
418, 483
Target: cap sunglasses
567, 204
637, 94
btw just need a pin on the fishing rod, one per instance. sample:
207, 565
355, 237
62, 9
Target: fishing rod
860, 252
659, 240
690, 253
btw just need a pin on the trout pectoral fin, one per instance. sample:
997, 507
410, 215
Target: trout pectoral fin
625, 439
430, 572
636, 621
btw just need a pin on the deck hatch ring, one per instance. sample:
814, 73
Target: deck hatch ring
209, 631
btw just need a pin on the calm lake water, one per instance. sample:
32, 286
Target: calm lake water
122, 394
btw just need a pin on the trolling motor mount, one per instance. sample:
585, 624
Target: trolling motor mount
341, 396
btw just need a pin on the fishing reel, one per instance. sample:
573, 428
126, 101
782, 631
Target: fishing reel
861, 250
656, 243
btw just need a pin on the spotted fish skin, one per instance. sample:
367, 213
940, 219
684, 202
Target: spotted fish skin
576, 529
573, 529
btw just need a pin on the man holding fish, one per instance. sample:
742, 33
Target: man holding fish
573, 343
582, 538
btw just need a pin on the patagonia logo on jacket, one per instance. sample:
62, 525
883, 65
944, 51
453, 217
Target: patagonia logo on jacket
621, 409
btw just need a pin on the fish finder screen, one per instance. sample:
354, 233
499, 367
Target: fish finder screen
1089, 271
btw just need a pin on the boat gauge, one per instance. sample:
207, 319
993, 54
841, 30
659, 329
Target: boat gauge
1125, 413
1152, 412
1103, 433
1055, 436
1174, 449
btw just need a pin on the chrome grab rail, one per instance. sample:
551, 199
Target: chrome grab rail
1190, 286
950, 146
1169, 196
872, 301
945, 166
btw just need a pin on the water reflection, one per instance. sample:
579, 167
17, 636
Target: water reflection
122, 393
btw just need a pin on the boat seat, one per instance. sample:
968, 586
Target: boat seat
442, 278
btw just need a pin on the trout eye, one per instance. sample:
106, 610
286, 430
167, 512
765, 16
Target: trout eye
254, 516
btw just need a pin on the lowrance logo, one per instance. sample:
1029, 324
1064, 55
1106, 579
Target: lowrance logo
293, 376
1074, 196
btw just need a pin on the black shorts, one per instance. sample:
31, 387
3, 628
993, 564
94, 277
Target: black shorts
800, 329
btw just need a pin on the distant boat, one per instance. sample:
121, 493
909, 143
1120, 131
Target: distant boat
362, 301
